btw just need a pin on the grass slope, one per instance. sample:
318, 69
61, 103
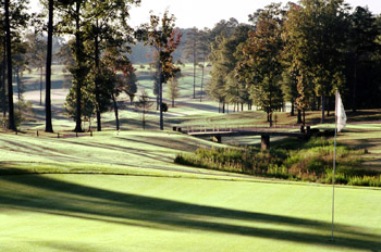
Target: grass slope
124, 213
122, 192
161, 206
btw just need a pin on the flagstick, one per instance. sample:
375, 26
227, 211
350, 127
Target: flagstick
333, 186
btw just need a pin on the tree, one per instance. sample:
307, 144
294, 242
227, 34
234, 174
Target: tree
224, 28
196, 49
219, 69
48, 81
20, 64
144, 104
3, 95
72, 23
161, 34
37, 55
202, 67
290, 68
173, 90
106, 26
8, 40
224, 85
321, 30
260, 66
361, 60
15, 16
113, 62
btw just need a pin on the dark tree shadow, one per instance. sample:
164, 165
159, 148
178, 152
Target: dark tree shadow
78, 201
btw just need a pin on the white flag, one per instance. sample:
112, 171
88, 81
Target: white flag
340, 116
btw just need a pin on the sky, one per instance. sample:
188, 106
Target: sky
207, 13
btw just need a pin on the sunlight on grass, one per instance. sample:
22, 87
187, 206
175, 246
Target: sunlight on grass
121, 191
56, 211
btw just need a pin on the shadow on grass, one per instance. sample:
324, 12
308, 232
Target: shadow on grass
62, 198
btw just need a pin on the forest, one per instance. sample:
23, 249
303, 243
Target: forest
299, 53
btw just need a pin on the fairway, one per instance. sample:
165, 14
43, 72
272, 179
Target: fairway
141, 213
261, 135
121, 191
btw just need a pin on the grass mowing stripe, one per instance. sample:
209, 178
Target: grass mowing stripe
161, 214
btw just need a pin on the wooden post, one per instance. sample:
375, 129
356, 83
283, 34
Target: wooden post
265, 142
217, 138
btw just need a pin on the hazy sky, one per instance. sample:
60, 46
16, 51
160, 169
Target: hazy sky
206, 13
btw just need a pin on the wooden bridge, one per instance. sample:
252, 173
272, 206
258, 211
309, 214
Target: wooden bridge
216, 133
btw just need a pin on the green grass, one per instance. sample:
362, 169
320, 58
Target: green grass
129, 213
122, 191
118, 192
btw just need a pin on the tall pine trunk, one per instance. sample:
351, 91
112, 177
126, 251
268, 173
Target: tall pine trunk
116, 111
3, 87
97, 88
322, 108
48, 104
11, 114
354, 97
79, 74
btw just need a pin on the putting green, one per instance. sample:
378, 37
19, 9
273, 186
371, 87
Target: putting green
142, 213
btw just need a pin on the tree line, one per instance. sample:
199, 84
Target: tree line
300, 53
96, 54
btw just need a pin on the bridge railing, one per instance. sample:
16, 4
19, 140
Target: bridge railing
229, 128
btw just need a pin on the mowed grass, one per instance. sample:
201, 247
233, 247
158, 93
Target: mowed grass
122, 192
129, 213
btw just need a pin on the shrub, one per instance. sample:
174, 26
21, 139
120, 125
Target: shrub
340, 178
278, 171
311, 163
365, 181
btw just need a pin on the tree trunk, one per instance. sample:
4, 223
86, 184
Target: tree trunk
161, 100
292, 112
322, 108
116, 111
299, 121
194, 68
78, 52
354, 101
48, 106
97, 91
41, 74
3, 87
270, 117
18, 84
11, 114
304, 117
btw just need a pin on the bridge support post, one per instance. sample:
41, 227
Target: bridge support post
265, 142
217, 138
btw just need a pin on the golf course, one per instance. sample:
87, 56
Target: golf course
121, 190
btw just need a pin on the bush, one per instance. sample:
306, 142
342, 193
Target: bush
278, 171
365, 181
340, 178
311, 163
